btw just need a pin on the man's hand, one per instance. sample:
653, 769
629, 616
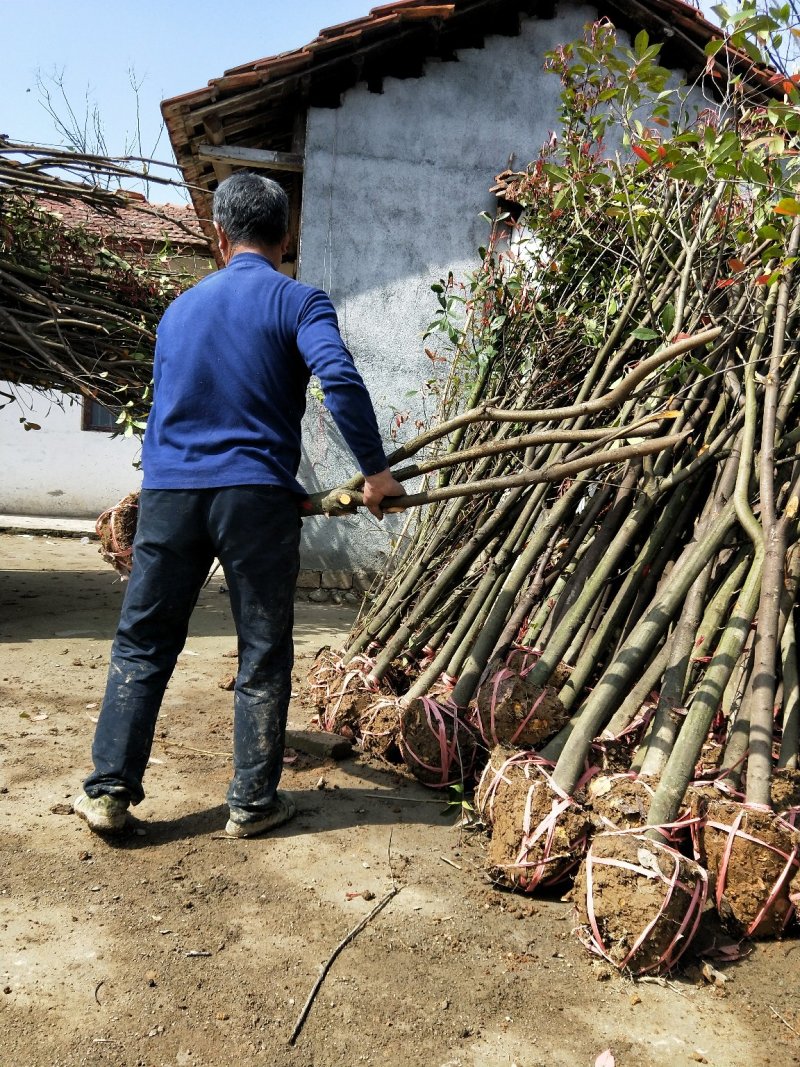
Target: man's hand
379, 486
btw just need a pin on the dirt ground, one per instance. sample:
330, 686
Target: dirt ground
176, 946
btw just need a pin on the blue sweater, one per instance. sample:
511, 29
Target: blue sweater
233, 358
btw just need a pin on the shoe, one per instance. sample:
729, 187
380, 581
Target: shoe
282, 810
105, 814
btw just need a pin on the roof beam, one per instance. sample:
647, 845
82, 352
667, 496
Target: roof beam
252, 157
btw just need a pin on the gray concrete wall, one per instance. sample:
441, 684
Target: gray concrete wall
393, 190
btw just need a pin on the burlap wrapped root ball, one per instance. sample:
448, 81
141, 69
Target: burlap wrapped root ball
505, 765
437, 746
539, 834
639, 902
116, 529
510, 710
753, 858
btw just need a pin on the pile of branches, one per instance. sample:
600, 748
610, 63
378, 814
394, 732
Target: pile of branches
605, 637
75, 316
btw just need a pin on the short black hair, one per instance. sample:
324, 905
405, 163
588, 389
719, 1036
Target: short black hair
251, 209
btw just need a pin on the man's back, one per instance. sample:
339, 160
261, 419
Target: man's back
229, 382
233, 360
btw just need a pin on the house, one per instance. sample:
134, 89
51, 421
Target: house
387, 132
72, 466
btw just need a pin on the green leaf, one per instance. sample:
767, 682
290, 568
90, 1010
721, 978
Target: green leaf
640, 43
668, 318
642, 333
787, 206
701, 368
769, 233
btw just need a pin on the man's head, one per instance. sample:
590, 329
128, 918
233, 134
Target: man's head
251, 211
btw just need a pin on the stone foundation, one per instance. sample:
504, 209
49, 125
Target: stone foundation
333, 587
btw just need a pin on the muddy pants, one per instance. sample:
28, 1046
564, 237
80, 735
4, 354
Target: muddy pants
255, 532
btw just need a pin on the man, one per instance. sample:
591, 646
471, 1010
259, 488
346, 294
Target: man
221, 451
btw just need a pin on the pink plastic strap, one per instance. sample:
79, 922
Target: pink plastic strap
732, 831
449, 751
693, 912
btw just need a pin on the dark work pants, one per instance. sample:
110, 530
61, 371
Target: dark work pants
255, 532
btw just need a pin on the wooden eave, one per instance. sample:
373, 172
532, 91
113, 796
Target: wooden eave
262, 104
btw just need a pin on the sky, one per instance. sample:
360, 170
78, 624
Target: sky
171, 46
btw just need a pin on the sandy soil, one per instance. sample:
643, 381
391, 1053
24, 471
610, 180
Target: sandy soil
175, 946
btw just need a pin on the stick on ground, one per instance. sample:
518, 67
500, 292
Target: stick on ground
298, 1026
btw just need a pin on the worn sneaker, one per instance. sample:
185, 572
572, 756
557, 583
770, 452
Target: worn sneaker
106, 814
283, 808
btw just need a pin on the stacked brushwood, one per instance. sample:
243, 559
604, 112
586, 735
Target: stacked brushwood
76, 317
605, 636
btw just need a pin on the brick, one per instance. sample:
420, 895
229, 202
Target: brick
362, 580
309, 580
337, 580
313, 743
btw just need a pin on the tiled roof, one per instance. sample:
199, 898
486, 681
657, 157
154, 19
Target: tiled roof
258, 104
143, 226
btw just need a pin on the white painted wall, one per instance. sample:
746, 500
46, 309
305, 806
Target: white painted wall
393, 190
60, 470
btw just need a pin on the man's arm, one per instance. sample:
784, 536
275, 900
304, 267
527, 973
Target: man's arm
346, 397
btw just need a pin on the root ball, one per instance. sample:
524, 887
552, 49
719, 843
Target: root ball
116, 529
752, 856
379, 728
620, 801
506, 765
639, 902
539, 835
436, 744
510, 710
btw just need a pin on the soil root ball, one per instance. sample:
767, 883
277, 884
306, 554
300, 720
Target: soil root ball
620, 801
786, 795
510, 710
340, 692
325, 673
539, 834
436, 744
639, 902
116, 529
752, 855
379, 728
505, 766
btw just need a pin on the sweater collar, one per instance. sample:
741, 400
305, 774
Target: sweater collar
250, 257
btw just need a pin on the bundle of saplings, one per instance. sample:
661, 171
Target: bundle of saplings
76, 317
608, 626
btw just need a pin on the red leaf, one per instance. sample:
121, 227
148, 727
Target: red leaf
736, 264
762, 279
640, 152
723, 283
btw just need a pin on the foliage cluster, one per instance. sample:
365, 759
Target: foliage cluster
634, 151
76, 317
